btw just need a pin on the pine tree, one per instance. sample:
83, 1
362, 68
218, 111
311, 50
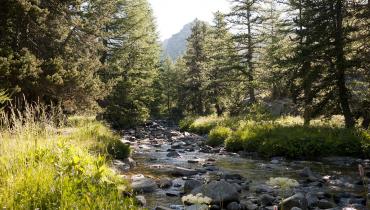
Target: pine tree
133, 56
223, 62
197, 67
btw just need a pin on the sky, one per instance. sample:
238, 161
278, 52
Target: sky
172, 15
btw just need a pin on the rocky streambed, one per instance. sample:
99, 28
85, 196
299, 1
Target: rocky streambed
168, 164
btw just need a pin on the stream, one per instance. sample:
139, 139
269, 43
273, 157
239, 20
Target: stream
168, 164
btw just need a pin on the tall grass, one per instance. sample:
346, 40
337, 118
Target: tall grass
47, 164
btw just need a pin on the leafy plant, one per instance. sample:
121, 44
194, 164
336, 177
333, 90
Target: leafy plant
218, 135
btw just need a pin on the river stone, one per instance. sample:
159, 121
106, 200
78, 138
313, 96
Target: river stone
173, 154
309, 175
162, 208
233, 206
218, 191
164, 183
197, 207
266, 200
248, 205
179, 171
324, 204
144, 185
297, 200
312, 200
140, 200
191, 185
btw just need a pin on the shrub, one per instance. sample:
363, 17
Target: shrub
218, 135
204, 125
298, 141
185, 123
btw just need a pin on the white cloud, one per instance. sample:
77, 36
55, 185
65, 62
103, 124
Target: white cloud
172, 15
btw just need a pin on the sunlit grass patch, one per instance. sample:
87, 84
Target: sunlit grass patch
46, 167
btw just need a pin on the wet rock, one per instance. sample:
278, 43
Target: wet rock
191, 185
295, 208
162, 208
218, 191
232, 177
233, 206
197, 207
140, 200
266, 200
213, 160
324, 204
121, 165
179, 171
193, 161
309, 175
297, 200
164, 183
173, 154
131, 162
173, 193
312, 200
144, 185
248, 205
263, 189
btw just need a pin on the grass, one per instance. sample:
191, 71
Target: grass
284, 136
43, 166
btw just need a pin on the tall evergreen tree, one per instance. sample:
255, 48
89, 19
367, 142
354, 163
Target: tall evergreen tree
133, 58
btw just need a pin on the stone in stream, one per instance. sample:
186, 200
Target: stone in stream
140, 200
191, 185
248, 205
162, 208
197, 207
297, 200
324, 204
218, 191
173, 193
179, 171
173, 154
143, 185
164, 183
266, 200
234, 206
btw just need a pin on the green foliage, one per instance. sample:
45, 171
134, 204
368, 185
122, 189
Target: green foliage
185, 123
298, 141
3, 98
43, 166
203, 125
218, 135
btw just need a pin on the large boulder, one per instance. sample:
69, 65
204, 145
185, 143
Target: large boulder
297, 200
191, 185
143, 185
218, 191
179, 171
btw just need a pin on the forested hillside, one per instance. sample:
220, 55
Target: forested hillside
242, 106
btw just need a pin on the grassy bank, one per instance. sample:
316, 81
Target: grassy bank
285, 136
46, 167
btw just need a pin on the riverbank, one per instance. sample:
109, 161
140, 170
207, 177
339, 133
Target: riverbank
44, 165
285, 136
172, 165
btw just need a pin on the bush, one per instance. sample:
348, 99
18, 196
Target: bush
218, 135
185, 123
204, 125
298, 141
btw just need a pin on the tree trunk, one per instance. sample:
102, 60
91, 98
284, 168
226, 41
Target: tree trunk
341, 67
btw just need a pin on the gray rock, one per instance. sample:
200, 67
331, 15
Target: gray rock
218, 191
295, 208
197, 207
173, 154
164, 183
248, 205
140, 200
162, 208
266, 199
309, 175
232, 177
263, 189
191, 185
173, 193
297, 200
312, 200
233, 206
179, 171
144, 185
325, 204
